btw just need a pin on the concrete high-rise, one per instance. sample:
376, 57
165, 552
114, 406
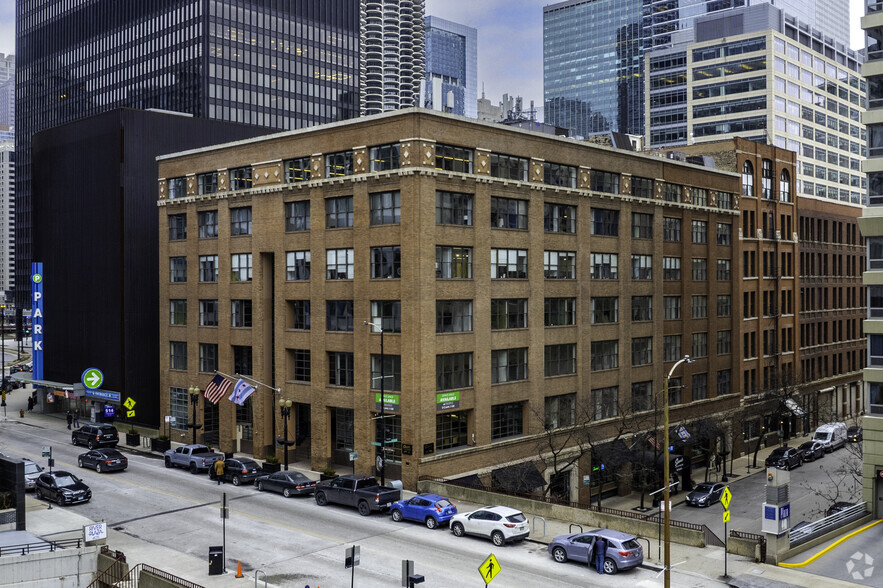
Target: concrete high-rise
451, 83
7, 90
7, 211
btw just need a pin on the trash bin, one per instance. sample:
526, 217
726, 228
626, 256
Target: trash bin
216, 560
397, 484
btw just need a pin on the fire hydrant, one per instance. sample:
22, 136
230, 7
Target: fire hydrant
21, 412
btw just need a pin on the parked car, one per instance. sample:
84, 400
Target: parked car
96, 435
362, 492
32, 472
241, 471
22, 367
501, 523
705, 494
854, 434
811, 450
196, 458
430, 509
103, 460
288, 483
838, 507
786, 458
623, 550
62, 487
832, 436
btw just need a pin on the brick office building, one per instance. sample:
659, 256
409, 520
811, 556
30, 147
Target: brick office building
517, 276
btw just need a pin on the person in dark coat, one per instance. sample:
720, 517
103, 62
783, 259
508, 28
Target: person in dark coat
30, 403
70, 419
600, 553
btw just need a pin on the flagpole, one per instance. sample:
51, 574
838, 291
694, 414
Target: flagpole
240, 376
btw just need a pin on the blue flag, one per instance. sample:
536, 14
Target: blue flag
241, 391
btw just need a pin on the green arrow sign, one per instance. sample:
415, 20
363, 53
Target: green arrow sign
92, 378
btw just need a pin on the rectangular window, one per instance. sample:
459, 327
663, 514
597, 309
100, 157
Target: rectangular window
177, 227
724, 342
508, 365
642, 308
339, 315
208, 268
340, 368
179, 400
242, 360
453, 262
208, 357
509, 313
700, 269
339, 264
559, 312
671, 268
240, 267
240, 178
453, 370
177, 355
240, 221
723, 270
386, 207
700, 386
453, 208
700, 197
642, 396
642, 351
605, 402
603, 181
386, 262
723, 382
301, 365
509, 167
177, 188
560, 411
724, 305
671, 229
642, 267
642, 225
455, 159
208, 224
508, 213
642, 187
724, 233
297, 265
559, 265
605, 266
177, 269
700, 306
339, 164
605, 355
559, 218
241, 313
700, 345
339, 212
605, 309
559, 360
507, 420
605, 222
671, 348
208, 313
177, 312
700, 231
451, 430
555, 174
387, 314
392, 373
671, 192
300, 314
297, 216
671, 308
725, 201
453, 316
207, 183
297, 170
508, 263
384, 157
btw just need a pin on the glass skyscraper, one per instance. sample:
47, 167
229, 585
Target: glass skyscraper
451, 66
278, 64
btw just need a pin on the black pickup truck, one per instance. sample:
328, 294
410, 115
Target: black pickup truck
362, 492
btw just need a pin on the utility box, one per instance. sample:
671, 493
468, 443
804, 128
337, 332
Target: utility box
216, 560
777, 508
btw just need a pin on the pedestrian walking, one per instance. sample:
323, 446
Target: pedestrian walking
600, 554
70, 419
30, 403
77, 419
219, 470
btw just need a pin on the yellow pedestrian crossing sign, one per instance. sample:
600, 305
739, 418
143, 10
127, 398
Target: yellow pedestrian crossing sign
129, 403
725, 498
489, 569
726, 516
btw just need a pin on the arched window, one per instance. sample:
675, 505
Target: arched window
766, 179
785, 186
747, 179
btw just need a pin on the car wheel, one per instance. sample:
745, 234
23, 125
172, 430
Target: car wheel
236, 481
74, 440
610, 566
59, 499
260, 486
364, 509
98, 467
397, 516
431, 523
321, 499
559, 554
458, 530
168, 462
286, 492
80, 462
194, 469
38, 493
90, 444
498, 539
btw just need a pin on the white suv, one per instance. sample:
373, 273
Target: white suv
500, 523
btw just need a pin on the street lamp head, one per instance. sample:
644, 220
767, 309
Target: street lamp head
284, 403
687, 359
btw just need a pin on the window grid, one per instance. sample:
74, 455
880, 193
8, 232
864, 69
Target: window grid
605, 355
208, 268
240, 311
509, 313
453, 208
642, 267
509, 263
207, 220
387, 314
559, 360
453, 370
559, 265
508, 213
605, 266
339, 212
297, 216
642, 351
453, 316
339, 315
340, 368
508, 365
178, 311
208, 313
240, 221
559, 218
297, 265
642, 225
386, 208
507, 420
177, 269
339, 264
240, 267
453, 262
386, 262
605, 309
559, 312
177, 355
642, 308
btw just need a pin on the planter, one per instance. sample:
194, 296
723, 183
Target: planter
271, 467
160, 445
133, 439
327, 476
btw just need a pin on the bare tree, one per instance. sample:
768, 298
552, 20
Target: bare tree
843, 481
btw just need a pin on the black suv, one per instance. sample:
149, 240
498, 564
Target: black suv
97, 435
241, 471
785, 458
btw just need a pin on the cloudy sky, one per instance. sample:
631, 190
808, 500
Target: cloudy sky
510, 40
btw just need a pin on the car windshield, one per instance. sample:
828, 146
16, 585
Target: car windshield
32, 468
807, 445
852, 430
703, 487
63, 481
516, 518
778, 452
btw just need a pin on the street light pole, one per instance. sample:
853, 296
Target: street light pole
666, 484
285, 410
194, 401
382, 409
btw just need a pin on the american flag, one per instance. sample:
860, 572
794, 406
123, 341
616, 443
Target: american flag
217, 388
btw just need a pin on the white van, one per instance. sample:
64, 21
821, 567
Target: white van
831, 435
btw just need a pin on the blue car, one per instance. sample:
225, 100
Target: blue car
430, 509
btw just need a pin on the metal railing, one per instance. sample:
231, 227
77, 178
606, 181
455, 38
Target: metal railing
711, 539
112, 576
39, 547
760, 539
822, 526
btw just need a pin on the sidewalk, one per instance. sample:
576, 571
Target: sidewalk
707, 562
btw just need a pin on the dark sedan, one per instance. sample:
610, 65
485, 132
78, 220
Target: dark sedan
103, 460
786, 458
854, 434
705, 494
241, 471
811, 450
288, 483
62, 487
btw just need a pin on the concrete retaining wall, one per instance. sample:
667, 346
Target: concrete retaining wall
62, 568
746, 547
586, 518
148, 580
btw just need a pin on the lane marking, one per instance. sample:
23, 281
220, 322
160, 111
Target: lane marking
830, 547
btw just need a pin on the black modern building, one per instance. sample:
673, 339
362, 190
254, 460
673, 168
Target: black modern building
280, 64
98, 242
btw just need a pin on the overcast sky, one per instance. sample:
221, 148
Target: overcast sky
510, 40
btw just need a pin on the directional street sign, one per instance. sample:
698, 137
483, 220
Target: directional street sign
726, 516
489, 569
725, 498
92, 378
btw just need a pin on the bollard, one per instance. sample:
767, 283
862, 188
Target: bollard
21, 413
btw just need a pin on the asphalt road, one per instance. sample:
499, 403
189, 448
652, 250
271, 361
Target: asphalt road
858, 560
294, 541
